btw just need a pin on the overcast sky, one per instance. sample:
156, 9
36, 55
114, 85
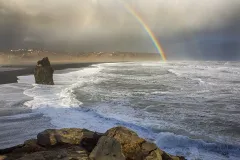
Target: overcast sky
106, 25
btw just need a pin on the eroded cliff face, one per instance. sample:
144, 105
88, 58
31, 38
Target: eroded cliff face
118, 143
43, 72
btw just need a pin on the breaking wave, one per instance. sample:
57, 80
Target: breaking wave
106, 95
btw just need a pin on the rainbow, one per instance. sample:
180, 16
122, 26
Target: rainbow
147, 29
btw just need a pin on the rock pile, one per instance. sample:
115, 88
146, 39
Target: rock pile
118, 143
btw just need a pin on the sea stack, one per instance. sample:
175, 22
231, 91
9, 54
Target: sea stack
43, 72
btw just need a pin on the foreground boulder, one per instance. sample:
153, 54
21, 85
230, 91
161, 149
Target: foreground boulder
118, 143
43, 72
107, 148
72, 136
136, 148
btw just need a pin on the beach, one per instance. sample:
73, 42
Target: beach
9, 73
17, 121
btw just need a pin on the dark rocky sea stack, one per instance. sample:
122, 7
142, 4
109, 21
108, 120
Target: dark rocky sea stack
43, 72
118, 143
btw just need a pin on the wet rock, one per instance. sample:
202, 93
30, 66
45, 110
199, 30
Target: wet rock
43, 72
107, 148
74, 153
30, 146
136, 148
154, 155
118, 143
74, 136
129, 140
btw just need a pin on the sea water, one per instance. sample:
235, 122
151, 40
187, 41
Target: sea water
187, 108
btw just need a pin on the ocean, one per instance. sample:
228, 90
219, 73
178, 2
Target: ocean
187, 108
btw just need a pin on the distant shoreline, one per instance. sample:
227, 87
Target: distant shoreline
9, 73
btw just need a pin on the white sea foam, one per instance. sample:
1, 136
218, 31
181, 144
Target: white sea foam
200, 81
174, 72
59, 102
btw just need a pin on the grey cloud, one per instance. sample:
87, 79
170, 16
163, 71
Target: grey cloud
107, 25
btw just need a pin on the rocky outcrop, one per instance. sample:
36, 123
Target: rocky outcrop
136, 148
118, 143
43, 72
72, 136
107, 148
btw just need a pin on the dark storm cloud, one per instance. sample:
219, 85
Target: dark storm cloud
91, 25
10, 27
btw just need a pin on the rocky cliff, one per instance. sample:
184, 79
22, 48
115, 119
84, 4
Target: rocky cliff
43, 72
118, 143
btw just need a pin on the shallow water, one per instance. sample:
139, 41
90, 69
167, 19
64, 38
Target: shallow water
187, 108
